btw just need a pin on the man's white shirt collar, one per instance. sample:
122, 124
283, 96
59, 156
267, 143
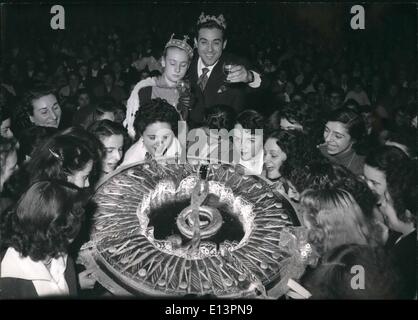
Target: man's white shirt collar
201, 65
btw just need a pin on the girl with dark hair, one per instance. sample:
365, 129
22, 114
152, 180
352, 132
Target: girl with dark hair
301, 116
392, 176
65, 158
31, 138
42, 107
248, 141
93, 144
298, 116
37, 236
283, 152
114, 141
344, 131
156, 126
105, 109
5, 122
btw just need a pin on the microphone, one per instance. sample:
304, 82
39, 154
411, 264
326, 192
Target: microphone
322, 144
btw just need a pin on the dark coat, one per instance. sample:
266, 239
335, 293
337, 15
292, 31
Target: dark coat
403, 254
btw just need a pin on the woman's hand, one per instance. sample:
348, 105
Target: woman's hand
86, 280
160, 151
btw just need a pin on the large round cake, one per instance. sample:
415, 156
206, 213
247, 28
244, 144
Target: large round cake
142, 232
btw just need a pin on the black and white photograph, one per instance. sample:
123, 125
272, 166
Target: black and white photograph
225, 153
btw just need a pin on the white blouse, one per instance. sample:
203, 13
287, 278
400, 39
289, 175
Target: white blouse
47, 282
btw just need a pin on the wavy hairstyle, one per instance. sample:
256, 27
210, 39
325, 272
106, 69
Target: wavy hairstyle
105, 128
92, 143
401, 178
297, 148
334, 218
219, 117
301, 113
250, 119
157, 110
47, 219
323, 175
59, 157
354, 123
37, 91
33, 137
210, 24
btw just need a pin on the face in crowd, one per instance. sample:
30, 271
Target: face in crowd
175, 63
287, 125
107, 115
376, 180
114, 152
274, 157
108, 80
248, 144
5, 129
46, 111
158, 137
337, 138
81, 178
210, 44
335, 100
83, 100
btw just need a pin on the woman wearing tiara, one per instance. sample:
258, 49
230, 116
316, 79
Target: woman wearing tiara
175, 61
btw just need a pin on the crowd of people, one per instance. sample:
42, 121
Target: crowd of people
337, 140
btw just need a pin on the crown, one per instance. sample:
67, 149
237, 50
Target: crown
220, 20
181, 44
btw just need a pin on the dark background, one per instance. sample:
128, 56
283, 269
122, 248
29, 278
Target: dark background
393, 24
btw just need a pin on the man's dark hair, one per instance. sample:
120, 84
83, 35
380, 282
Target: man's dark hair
210, 25
250, 119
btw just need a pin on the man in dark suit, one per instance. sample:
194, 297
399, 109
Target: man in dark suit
210, 85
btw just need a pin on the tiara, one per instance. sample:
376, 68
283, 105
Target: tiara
220, 20
181, 44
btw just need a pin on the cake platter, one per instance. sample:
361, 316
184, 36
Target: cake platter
143, 236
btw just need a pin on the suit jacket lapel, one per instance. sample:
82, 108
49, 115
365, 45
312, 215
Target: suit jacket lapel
216, 78
192, 72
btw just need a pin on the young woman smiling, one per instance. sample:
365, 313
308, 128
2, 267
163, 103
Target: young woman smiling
344, 130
